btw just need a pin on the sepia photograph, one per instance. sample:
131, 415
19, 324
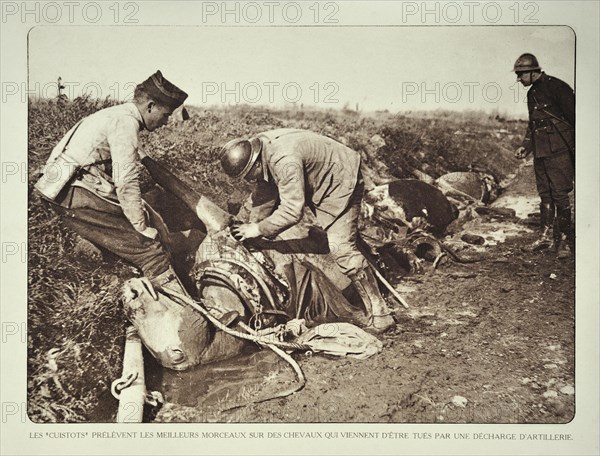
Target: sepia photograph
300, 223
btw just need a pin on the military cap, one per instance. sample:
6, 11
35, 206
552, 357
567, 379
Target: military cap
162, 91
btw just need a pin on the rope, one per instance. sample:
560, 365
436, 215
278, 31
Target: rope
283, 354
254, 338
291, 361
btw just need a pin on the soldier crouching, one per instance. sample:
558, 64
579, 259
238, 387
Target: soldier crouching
91, 180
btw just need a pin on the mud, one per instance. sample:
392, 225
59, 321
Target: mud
498, 333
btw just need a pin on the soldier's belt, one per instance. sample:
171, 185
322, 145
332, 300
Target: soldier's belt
548, 125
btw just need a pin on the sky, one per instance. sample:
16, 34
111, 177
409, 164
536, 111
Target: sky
405, 68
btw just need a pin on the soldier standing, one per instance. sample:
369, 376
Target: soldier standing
551, 138
92, 180
302, 168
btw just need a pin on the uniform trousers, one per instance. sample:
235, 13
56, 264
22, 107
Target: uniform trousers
554, 179
342, 233
105, 225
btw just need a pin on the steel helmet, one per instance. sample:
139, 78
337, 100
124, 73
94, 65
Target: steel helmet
239, 155
526, 62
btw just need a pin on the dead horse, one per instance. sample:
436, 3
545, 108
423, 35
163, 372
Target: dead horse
262, 288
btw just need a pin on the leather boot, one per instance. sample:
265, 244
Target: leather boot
546, 222
377, 310
564, 226
556, 236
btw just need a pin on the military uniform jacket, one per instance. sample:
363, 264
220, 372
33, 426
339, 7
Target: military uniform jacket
551, 129
101, 154
308, 169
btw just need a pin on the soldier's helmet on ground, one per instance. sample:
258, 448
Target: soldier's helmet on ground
526, 62
238, 156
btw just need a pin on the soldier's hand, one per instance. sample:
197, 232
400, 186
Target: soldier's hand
520, 153
150, 232
245, 231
